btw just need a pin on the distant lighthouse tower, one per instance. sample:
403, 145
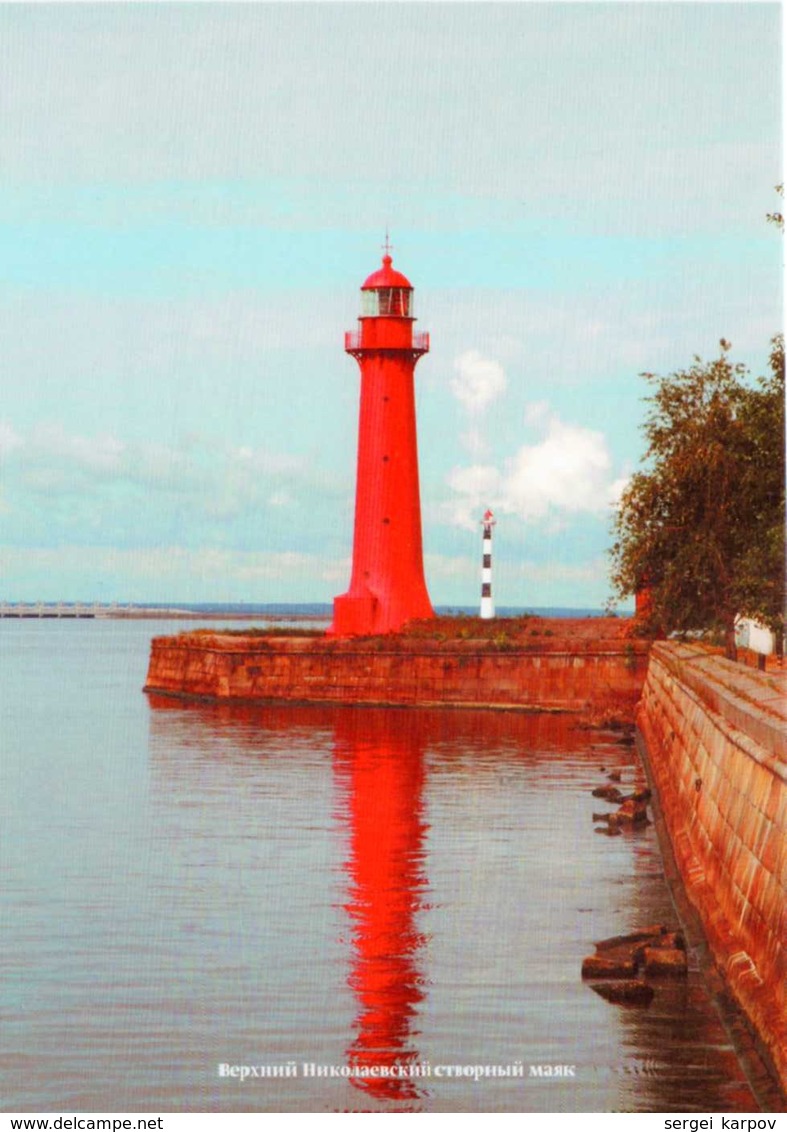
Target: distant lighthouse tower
387, 585
487, 603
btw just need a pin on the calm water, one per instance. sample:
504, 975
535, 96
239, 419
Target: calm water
187, 886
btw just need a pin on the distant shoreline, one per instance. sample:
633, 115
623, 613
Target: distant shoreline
315, 612
31, 613
190, 615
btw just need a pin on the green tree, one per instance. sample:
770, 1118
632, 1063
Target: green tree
701, 527
777, 218
761, 570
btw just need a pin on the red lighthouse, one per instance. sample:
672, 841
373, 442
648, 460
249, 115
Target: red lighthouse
387, 585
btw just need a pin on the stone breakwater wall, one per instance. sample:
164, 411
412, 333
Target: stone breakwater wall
716, 740
603, 678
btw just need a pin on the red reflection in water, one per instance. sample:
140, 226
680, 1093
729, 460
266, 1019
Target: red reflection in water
674, 1056
380, 767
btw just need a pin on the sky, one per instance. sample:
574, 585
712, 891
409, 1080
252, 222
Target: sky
192, 195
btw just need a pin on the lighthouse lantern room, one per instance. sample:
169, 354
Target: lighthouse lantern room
387, 586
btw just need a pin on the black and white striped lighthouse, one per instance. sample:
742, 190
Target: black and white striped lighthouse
487, 604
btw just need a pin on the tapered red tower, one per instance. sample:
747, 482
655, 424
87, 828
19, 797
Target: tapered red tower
387, 586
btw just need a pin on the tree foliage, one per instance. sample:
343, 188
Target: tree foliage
701, 527
777, 218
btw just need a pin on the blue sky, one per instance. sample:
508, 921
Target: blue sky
191, 196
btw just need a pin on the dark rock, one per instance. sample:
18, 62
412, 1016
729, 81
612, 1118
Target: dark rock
622, 954
610, 793
671, 940
669, 961
614, 776
600, 967
629, 992
630, 813
652, 931
638, 796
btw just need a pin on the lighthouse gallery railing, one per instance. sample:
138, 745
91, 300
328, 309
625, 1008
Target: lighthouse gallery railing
352, 341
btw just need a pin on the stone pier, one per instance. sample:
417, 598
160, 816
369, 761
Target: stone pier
716, 740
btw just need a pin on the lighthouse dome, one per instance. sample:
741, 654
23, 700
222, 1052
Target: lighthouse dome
386, 276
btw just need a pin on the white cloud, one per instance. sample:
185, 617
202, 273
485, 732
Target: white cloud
478, 380
263, 461
474, 487
60, 484
567, 472
102, 453
463, 566
168, 572
519, 581
616, 489
9, 440
226, 478
536, 413
473, 442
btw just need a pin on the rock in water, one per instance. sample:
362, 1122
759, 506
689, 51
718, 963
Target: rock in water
600, 967
652, 931
629, 992
610, 793
665, 961
630, 813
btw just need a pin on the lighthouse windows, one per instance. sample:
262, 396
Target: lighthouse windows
391, 302
395, 301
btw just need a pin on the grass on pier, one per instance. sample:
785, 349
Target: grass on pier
500, 631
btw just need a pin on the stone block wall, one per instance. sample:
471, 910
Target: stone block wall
601, 677
716, 741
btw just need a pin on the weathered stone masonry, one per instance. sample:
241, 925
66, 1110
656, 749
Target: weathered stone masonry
716, 738
596, 676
